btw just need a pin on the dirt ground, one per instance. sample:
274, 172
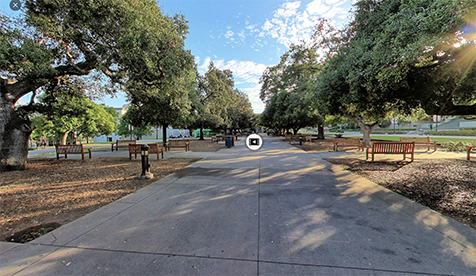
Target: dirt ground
50, 192
447, 186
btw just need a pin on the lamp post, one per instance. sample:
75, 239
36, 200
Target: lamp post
144, 152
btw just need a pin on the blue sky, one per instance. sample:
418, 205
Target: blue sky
245, 36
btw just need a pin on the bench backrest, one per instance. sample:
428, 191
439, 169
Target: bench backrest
125, 142
425, 140
352, 141
153, 148
136, 148
178, 142
393, 147
69, 148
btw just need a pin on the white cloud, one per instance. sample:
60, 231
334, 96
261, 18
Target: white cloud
292, 23
332, 2
288, 9
317, 7
267, 26
229, 33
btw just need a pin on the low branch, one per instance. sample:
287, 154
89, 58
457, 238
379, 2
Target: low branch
14, 90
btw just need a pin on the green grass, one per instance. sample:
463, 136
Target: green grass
439, 140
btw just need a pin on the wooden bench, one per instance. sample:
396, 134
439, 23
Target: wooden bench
469, 151
153, 149
347, 142
392, 148
295, 138
420, 141
122, 144
217, 138
71, 149
178, 144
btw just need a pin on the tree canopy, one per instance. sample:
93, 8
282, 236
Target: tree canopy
287, 88
66, 110
131, 42
403, 55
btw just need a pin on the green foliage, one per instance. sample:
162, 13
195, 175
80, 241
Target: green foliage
133, 124
67, 109
461, 132
216, 96
240, 112
385, 123
400, 55
286, 90
127, 45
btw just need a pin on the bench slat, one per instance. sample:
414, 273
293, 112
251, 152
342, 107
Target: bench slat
153, 149
178, 144
71, 149
392, 148
123, 144
347, 142
420, 141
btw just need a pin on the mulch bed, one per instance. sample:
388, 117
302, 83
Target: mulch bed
447, 186
60, 191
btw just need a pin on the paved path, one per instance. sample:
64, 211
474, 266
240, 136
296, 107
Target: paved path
276, 211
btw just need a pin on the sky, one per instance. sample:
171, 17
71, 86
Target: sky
245, 36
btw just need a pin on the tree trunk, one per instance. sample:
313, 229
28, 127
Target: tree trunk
201, 133
366, 129
64, 137
295, 131
164, 134
14, 135
320, 132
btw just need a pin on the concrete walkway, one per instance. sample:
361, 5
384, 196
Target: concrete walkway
275, 211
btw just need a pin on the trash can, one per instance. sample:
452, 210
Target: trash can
228, 141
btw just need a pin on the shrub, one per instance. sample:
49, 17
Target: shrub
458, 146
461, 132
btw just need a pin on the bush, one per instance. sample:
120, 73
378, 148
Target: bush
461, 132
458, 146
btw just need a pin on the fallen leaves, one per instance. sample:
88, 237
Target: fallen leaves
444, 185
60, 191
